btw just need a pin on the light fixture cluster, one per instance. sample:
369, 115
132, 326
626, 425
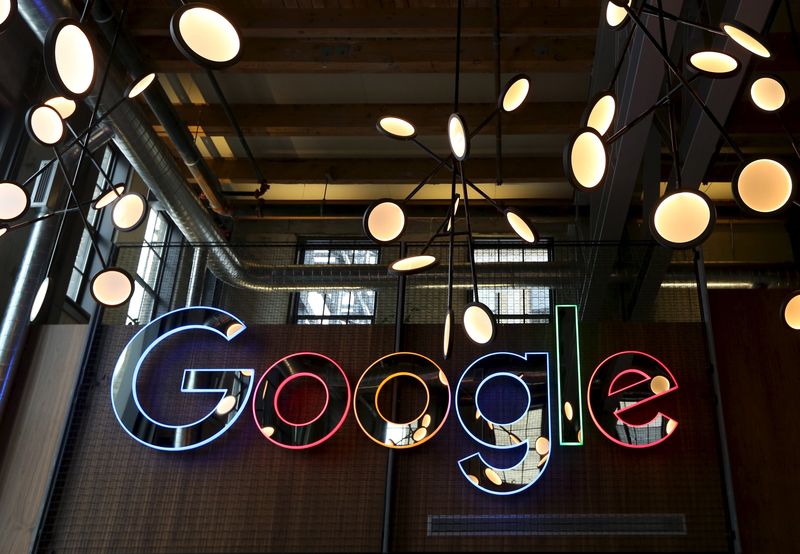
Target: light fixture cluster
684, 217
385, 219
69, 60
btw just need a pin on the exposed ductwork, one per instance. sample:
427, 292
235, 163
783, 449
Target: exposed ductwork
31, 273
147, 153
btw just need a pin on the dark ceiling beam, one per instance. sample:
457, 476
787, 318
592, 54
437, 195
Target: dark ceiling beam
535, 118
408, 171
360, 119
639, 86
700, 139
152, 20
387, 55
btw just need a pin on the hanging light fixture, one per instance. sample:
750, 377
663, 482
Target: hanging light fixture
69, 58
44, 125
586, 159
600, 112
413, 264
38, 300
14, 201
138, 86
8, 10
3, 229
763, 186
713, 63
384, 221
129, 211
768, 93
457, 136
112, 287
109, 196
790, 310
64, 106
206, 36
479, 323
747, 38
514, 93
616, 15
682, 218
396, 128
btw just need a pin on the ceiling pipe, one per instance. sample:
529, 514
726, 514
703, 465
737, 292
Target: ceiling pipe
176, 130
150, 158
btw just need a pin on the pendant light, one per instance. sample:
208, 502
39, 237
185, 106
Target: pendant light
768, 93
64, 106
763, 186
112, 287
413, 264
457, 136
682, 218
396, 128
108, 197
447, 335
713, 63
69, 58
514, 93
600, 112
521, 226
384, 221
8, 10
479, 323
38, 300
14, 201
790, 311
129, 211
204, 35
747, 38
140, 85
586, 159
44, 125
616, 15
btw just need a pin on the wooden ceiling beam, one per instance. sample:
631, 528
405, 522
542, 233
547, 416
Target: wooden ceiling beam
410, 170
152, 20
360, 119
387, 55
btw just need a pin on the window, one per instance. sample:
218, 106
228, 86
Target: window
78, 276
336, 306
148, 270
514, 304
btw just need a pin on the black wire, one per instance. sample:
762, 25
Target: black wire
458, 57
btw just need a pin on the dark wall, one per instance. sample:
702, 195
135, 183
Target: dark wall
758, 366
242, 494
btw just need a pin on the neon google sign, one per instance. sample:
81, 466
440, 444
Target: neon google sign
623, 397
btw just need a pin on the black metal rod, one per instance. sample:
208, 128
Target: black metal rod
450, 249
47, 216
638, 119
262, 181
431, 153
788, 134
653, 11
673, 136
438, 232
388, 491
722, 438
97, 166
484, 123
474, 187
702, 105
621, 60
469, 234
424, 181
458, 56
74, 197
498, 135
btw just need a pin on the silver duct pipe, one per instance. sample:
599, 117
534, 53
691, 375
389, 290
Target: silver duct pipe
194, 291
31, 273
150, 157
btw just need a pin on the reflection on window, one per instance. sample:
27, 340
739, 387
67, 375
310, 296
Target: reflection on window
143, 301
645, 434
514, 304
336, 306
78, 276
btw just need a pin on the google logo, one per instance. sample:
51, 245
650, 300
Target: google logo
624, 398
